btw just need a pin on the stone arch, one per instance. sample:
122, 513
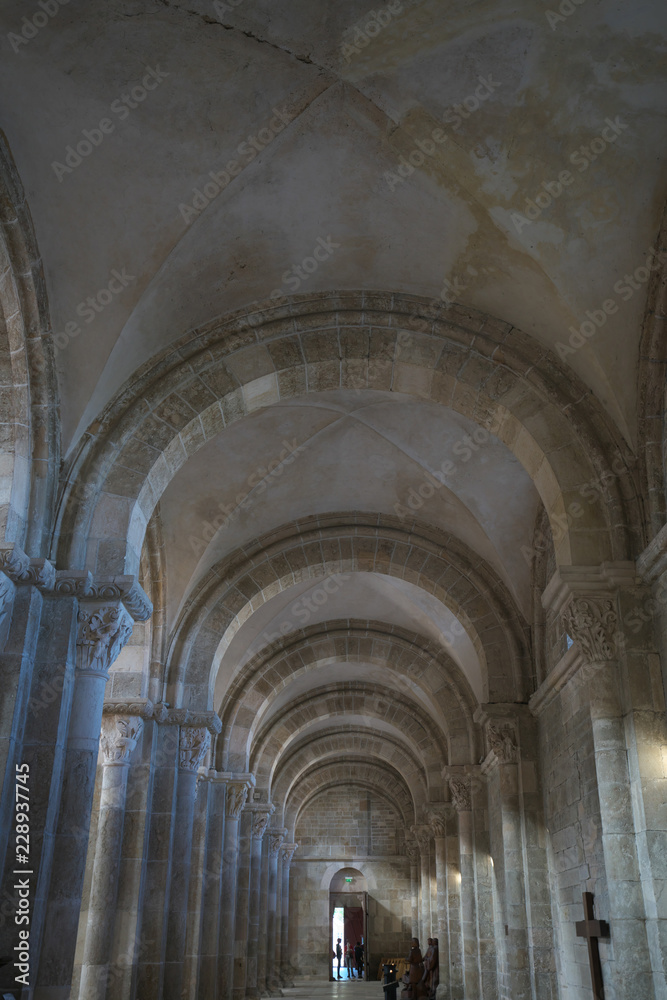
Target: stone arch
384, 780
344, 699
331, 870
317, 547
480, 367
407, 655
29, 419
344, 742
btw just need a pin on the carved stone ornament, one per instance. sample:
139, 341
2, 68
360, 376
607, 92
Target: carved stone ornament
423, 834
276, 838
460, 792
119, 740
6, 596
412, 851
286, 854
502, 740
102, 633
591, 623
192, 747
260, 821
237, 794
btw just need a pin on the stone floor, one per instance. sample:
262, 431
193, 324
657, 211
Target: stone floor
320, 990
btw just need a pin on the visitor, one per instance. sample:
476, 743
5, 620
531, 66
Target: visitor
339, 955
359, 958
349, 960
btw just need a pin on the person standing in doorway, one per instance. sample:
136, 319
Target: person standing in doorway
339, 955
359, 958
349, 960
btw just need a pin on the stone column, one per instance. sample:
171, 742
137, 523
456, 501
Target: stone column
242, 905
286, 970
260, 820
119, 739
103, 630
237, 793
461, 792
276, 838
412, 850
263, 920
440, 923
212, 887
197, 915
194, 742
423, 835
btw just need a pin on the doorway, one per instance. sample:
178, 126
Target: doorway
348, 921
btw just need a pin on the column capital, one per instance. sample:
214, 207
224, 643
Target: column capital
578, 581
460, 787
103, 630
276, 838
81, 584
137, 706
412, 850
7, 591
236, 798
261, 815
164, 714
287, 853
193, 745
120, 735
423, 834
436, 815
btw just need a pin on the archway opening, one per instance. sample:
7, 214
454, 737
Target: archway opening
348, 924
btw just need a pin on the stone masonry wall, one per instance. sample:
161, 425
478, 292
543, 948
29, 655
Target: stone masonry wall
340, 828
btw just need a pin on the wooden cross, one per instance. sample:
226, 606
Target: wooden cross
592, 929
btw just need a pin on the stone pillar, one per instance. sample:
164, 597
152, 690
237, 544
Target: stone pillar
286, 970
242, 905
237, 793
119, 739
263, 920
212, 885
260, 820
440, 928
197, 916
423, 835
103, 630
276, 838
194, 742
460, 789
412, 850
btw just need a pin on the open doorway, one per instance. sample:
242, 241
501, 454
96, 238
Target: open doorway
348, 923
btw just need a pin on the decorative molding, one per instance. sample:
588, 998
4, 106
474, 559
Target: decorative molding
585, 581
424, 835
276, 838
140, 706
75, 583
167, 716
102, 633
502, 740
261, 814
558, 677
412, 851
237, 795
7, 591
119, 739
193, 746
437, 816
460, 789
591, 622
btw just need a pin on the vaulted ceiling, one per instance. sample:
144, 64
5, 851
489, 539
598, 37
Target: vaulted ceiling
317, 119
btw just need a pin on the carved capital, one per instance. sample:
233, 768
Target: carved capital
192, 747
119, 738
102, 633
461, 794
412, 851
286, 854
437, 820
423, 833
592, 623
139, 706
502, 741
237, 795
260, 821
7, 590
276, 838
